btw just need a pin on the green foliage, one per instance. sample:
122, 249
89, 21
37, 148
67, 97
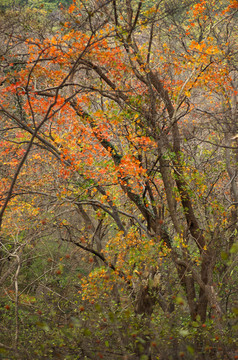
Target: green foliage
48, 6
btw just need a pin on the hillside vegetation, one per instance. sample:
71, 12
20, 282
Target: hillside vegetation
118, 180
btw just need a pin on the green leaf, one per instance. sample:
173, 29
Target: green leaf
183, 332
235, 311
198, 318
87, 332
42, 325
234, 248
179, 300
144, 357
142, 341
190, 349
98, 307
224, 255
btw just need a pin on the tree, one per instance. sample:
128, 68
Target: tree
127, 116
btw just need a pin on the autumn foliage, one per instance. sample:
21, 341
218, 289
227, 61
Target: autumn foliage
119, 153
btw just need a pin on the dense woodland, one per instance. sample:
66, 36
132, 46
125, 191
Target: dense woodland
118, 179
